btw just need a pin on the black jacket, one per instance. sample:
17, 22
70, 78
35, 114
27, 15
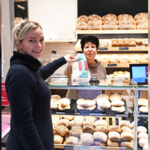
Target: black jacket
29, 98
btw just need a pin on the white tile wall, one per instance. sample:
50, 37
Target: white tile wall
55, 17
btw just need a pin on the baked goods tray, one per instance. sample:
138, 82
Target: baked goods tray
78, 147
74, 111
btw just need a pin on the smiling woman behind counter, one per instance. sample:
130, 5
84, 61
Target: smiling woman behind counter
89, 46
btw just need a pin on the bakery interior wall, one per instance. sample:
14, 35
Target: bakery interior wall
117, 7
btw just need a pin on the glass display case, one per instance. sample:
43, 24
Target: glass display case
116, 113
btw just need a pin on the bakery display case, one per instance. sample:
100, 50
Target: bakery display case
105, 122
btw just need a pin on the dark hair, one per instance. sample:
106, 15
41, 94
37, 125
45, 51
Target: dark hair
90, 38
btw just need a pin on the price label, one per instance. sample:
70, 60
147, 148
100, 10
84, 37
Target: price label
53, 51
83, 148
110, 113
112, 65
53, 111
103, 48
69, 111
66, 147
84, 112
123, 48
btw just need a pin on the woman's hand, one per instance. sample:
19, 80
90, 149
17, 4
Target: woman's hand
70, 59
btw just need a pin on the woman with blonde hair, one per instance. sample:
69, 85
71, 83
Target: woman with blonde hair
28, 94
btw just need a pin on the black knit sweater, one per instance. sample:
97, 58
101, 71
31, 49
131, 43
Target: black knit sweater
29, 98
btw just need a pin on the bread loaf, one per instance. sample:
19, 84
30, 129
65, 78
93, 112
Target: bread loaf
86, 139
72, 140
82, 26
135, 58
102, 128
94, 17
114, 128
132, 42
112, 16
114, 58
104, 59
124, 59
126, 42
82, 18
62, 130
114, 42
144, 58
120, 42
58, 139
114, 136
127, 16
141, 15
104, 44
112, 144
94, 25
100, 136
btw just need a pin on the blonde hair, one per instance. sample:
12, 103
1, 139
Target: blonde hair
21, 30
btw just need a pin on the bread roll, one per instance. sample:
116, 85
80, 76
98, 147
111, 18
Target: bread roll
112, 144
100, 123
143, 141
68, 117
75, 123
114, 58
114, 136
76, 131
117, 103
62, 130
126, 136
104, 104
105, 59
145, 147
86, 108
125, 123
143, 109
86, 139
102, 128
82, 18
64, 102
144, 58
135, 58
126, 129
115, 97
124, 59
100, 136
64, 122
92, 118
85, 102
88, 122
58, 139
118, 109
127, 144
141, 15
114, 128
141, 129
72, 140
88, 129
142, 135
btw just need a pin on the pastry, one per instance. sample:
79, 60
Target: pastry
117, 103
143, 141
88, 129
76, 131
62, 130
141, 129
125, 123
126, 136
114, 136
64, 102
86, 139
64, 122
58, 139
127, 144
85, 102
102, 128
118, 109
142, 135
100, 136
114, 128
71, 140
112, 144
115, 97
100, 123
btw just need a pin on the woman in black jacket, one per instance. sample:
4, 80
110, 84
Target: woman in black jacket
28, 94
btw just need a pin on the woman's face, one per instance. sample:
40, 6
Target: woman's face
90, 50
33, 44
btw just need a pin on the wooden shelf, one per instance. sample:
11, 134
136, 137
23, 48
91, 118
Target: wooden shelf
117, 49
111, 31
